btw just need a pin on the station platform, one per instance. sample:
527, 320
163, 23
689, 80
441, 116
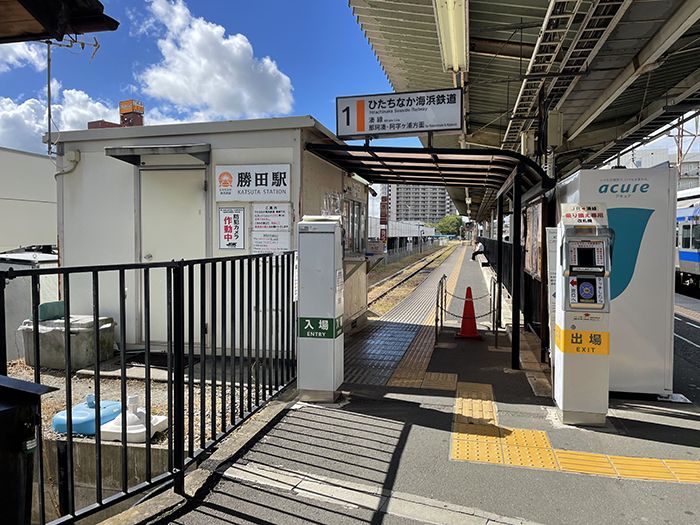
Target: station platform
444, 431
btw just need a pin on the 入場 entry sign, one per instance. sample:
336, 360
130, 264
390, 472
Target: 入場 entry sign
398, 113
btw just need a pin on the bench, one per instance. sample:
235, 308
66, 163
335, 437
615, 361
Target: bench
482, 259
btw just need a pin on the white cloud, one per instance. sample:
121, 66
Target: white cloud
23, 124
204, 75
212, 75
21, 54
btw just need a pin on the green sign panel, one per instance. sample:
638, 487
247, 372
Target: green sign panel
320, 327
339, 325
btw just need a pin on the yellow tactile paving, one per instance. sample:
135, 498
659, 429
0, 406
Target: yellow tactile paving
440, 381
469, 432
480, 411
533, 457
641, 468
525, 438
480, 451
477, 437
417, 357
476, 417
585, 463
463, 404
684, 471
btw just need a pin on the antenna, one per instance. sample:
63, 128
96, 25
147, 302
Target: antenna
66, 44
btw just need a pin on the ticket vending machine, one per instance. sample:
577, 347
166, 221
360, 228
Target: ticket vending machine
321, 304
582, 330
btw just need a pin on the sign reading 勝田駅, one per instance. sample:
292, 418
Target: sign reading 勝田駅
399, 113
243, 183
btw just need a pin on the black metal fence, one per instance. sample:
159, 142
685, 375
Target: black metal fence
491, 253
531, 287
225, 332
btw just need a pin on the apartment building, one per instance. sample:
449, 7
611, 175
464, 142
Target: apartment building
419, 203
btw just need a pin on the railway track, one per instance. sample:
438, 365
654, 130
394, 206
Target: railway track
428, 261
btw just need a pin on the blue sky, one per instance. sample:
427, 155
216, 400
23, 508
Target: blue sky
193, 61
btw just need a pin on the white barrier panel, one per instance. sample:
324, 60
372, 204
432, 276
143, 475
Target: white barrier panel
641, 206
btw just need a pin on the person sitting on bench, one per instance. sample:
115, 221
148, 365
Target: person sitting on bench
478, 250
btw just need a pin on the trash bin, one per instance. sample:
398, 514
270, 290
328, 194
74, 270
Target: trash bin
52, 341
19, 410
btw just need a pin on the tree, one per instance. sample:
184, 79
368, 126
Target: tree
450, 225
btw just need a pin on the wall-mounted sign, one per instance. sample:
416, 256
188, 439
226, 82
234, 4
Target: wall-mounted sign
243, 183
375, 248
398, 113
271, 216
271, 241
231, 228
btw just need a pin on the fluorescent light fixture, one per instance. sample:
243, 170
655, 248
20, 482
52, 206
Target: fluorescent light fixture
452, 19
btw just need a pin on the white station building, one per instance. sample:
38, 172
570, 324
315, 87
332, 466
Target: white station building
201, 190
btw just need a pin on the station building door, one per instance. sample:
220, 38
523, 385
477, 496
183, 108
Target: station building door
173, 226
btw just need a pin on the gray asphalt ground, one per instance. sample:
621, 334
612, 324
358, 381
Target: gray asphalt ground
382, 456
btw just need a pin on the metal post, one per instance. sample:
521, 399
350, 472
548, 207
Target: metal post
224, 265
437, 309
190, 378
257, 332
544, 281
202, 354
249, 309
37, 379
70, 494
169, 359
3, 328
499, 264
48, 93
122, 355
98, 397
517, 273
212, 343
179, 378
147, 362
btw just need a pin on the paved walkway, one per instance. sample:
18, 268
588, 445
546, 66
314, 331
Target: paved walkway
373, 354
445, 432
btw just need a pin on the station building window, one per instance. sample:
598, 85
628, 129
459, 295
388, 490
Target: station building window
355, 226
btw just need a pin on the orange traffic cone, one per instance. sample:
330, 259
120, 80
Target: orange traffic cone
468, 330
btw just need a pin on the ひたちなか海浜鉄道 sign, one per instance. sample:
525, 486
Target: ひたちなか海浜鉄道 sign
245, 183
399, 113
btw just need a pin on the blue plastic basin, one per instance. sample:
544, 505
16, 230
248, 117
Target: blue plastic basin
83, 417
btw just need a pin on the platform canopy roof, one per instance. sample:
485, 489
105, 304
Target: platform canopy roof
26, 20
617, 70
455, 169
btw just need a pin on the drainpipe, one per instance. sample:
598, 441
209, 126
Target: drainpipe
71, 156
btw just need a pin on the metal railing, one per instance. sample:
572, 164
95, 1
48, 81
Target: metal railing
236, 316
396, 254
440, 306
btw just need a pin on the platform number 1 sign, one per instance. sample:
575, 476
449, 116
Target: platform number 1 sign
398, 113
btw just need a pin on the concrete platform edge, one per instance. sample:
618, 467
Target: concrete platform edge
211, 469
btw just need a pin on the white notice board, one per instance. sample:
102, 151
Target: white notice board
271, 241
271, 216
232, 228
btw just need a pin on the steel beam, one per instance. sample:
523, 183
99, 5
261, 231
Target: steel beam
682, 20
